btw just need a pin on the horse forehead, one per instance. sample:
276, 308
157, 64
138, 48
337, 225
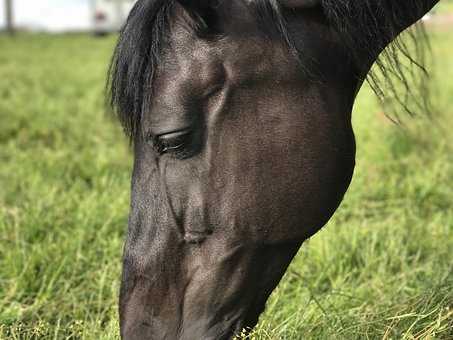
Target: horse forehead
195, 57
192, 59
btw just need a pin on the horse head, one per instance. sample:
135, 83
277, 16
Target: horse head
240, 117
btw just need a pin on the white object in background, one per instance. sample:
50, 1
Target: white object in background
110, 15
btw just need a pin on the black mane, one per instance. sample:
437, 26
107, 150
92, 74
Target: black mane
365, 27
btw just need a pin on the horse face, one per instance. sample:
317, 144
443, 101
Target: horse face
244, 154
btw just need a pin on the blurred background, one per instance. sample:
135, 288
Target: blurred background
381, 269
60, 16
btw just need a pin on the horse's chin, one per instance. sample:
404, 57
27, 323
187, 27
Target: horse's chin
225, 330
201, 329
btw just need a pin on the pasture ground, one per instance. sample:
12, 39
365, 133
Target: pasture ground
381, 269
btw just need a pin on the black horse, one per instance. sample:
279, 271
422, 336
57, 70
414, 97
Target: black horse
240, 116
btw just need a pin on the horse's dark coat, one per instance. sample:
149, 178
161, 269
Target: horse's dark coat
239, 112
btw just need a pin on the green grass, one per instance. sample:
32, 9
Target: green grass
382, 268
444, 7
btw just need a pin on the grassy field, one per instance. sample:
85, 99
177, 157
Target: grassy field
445, 7
381, 269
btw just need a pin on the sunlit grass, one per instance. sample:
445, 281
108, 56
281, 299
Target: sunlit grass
444, 7
382, 268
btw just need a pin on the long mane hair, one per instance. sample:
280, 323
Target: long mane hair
365, 28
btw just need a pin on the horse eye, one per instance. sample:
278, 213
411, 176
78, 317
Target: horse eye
175, 143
